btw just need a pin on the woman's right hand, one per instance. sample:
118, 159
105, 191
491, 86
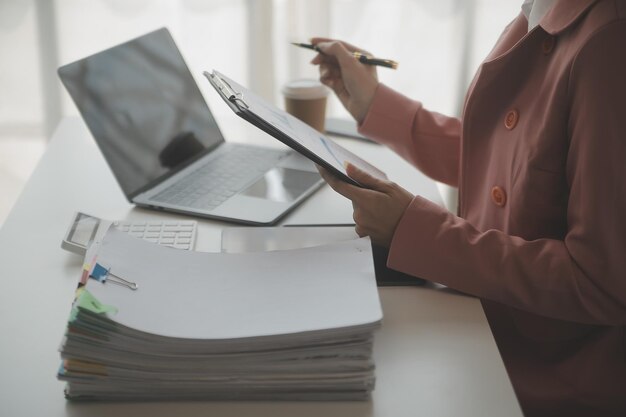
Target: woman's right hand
354, 83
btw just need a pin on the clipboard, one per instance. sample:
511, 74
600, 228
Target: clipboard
291, 131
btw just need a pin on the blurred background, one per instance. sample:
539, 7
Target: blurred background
439, 44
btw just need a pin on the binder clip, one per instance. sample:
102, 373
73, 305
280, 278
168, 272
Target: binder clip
225, 89
102, 274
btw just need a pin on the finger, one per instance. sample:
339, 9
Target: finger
366, 179
334, 182
348, 46
349, 191
331, 77
321, 59
335, 83
317, 39
360, 231
339, 51
317, 59
328, 59
329, 72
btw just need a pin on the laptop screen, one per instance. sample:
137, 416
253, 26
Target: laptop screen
143, 108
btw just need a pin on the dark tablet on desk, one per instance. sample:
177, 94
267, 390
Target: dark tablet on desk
345, 128
262, 239
387, 277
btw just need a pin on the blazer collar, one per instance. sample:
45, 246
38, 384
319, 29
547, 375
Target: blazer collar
563, 14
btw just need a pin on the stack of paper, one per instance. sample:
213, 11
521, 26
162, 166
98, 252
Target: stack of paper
282, 325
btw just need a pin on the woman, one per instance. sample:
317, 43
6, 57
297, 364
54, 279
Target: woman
539, 157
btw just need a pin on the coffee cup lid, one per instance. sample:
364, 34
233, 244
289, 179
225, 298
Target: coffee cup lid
305, 89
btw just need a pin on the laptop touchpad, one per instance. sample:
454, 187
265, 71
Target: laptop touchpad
282, 184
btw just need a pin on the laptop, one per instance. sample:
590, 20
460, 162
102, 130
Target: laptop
158, 136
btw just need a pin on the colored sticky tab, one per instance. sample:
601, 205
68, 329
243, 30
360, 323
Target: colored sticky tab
61, 369
84, 276
99, 272
87, 301
86, 269
74, 311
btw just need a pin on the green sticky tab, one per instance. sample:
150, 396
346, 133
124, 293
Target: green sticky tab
73, 314
87, 301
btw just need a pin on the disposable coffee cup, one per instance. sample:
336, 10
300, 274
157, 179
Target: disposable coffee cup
306, 100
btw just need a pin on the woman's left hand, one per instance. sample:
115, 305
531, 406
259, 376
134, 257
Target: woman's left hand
377, 208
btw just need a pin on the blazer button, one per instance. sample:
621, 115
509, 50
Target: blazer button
510, 121
498, 196
548, 45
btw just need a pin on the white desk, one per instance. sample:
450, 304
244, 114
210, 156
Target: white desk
435, 354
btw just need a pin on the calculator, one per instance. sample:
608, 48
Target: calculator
179, 234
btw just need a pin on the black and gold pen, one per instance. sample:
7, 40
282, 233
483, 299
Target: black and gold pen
363, 58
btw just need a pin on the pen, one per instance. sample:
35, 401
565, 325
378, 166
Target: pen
363, 58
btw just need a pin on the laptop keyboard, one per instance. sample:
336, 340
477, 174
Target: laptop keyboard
220, 178
179, 234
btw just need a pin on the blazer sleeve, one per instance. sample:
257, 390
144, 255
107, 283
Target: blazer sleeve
581, 278
428, 140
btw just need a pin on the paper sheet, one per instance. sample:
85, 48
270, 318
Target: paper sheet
218, 296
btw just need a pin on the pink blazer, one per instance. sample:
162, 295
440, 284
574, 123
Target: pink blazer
540, 161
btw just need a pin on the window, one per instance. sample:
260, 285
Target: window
439, 44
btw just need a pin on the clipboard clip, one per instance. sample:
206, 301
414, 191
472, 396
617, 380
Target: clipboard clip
225, 89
